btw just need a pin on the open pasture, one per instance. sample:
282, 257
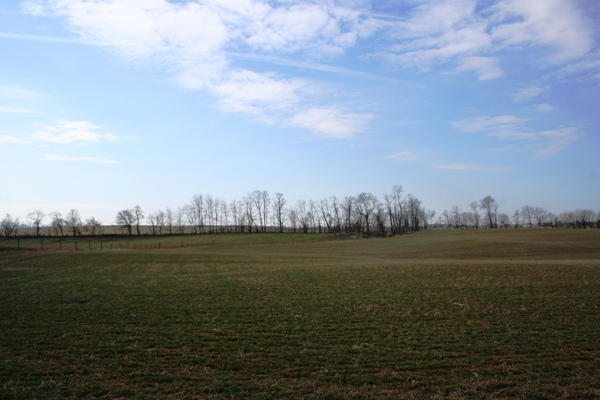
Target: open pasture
439, 314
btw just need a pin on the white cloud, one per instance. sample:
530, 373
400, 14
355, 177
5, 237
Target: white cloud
57, 157
463, 33
469, 167
14, 110
403, 156
554, 23
331, 122
542, 144
17, 93
486, 67
544, 107
38, 38
589, 65
9, 139
67, 132
527, 93
247, 91
476, 124
551, 142
193, 41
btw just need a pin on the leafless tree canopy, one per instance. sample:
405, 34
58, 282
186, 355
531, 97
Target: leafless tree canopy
258, 212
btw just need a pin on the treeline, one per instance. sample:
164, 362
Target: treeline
258, 212
526, 216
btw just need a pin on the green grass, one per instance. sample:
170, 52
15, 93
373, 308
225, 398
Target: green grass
443, 314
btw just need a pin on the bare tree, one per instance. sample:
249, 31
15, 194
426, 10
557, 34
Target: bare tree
261, 202
138, 214
303, 215
73, 220
516, 217
36, 217
476, 215
236, 213
429, 216
279, 210
414, 215
347, 207
456, 217
381, 219
324, 209
293, 217
169, 220
10, 225
584, 218
125, 219
190, 214
540, 214
198, 207
504, 220
395, 208
57, 222
93, 226
527, 214
224, 216
179, 220
336, 209
366, 204
490, 208
210, 206
445, 218
250, 214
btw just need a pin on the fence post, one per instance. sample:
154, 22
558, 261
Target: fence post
100, 244
18, 244
75, 246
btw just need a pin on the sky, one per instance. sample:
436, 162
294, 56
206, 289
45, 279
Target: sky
108, 104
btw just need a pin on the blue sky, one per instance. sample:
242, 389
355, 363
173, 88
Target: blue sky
106, 104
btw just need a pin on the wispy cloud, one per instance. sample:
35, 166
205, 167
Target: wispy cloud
18, 93
527, 93
71, 132
57, 157
463, 33
40, 38
200, 44
555, 24
197, 42
499, 123
542, 144
331, 121
14, 110
469, 167
402, 157
10, 139
544, 107
486, 67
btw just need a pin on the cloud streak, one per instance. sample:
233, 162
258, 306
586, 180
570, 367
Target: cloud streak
463, 33
402, 157
94, 160
9, 139
14, 110
542, 144
70, 132
470, 167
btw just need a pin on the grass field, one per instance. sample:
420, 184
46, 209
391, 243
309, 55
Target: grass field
438, 314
